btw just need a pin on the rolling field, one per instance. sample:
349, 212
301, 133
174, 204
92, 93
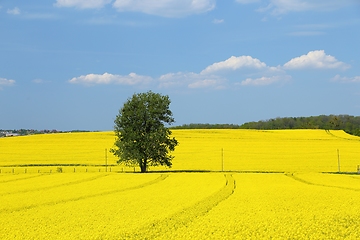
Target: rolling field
214, 150
274, 184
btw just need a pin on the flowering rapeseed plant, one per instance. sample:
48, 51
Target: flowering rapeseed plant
297, 202
229, 150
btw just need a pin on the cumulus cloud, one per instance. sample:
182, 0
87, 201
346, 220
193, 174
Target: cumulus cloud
82, 3
166, 8
234, 63
316, 60
262, 81
176, 79
280, 6
221, 75
338, 78
191, 80
14, 11
205, 84
6, 82
215, 76
107, 78
225, 74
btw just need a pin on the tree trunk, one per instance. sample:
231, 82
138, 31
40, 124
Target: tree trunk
143, 165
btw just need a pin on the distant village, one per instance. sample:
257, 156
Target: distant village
23, 132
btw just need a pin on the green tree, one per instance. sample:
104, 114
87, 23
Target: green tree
141, 136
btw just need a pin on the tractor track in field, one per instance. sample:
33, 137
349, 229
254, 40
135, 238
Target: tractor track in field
292, 176
24, 178
51, 203
55, 186
186, 215
343, 138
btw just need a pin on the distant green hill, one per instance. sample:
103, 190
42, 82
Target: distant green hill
207, 126
349, 124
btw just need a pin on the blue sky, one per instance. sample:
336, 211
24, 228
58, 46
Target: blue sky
71, 64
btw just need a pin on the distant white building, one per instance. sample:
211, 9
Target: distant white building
11, 134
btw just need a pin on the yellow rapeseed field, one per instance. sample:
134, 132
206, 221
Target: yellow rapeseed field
216, 150
60, 148
277, 150
179, 206
281, 206
225, 184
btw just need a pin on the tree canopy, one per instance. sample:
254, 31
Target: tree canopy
142, 137
350, 124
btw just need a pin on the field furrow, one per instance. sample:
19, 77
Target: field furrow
112, 215
35, 187
273, 206
325, 179
15, 178
225, 184
66, 198
182, 218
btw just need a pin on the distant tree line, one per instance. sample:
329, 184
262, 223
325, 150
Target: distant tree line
349, 124
207, 126
23, 132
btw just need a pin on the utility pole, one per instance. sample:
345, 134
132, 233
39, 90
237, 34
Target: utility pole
222, 159
106, 159
338, 160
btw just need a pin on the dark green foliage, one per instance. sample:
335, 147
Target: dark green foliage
142, 138
349, 124
207, 126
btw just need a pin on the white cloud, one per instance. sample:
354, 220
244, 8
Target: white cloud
218, 21
176, 79
6, 82
284, 6
262, 81
107, 78
316, 60
166, 8
15, 11
206, 83
225, 74
191, 80
278, 7
338, 78
234, 63
82, 3
247, 1
218, 75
